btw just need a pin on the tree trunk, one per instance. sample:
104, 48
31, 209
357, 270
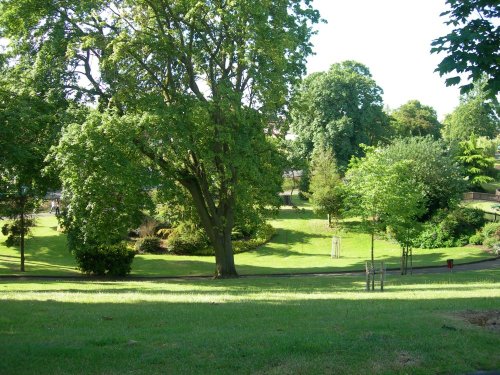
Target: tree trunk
218, 224
224, 256
373, 259
23, 224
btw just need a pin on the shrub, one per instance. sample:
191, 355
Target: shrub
476, 239
186, 239
113, 260
164, 232
449, 229
491, 235
148, 244
263, 234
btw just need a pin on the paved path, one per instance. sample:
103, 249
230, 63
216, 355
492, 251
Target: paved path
488, 264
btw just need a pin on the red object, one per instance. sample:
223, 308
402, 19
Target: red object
449, 263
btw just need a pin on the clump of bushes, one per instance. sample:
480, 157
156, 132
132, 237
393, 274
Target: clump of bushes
187, 239
149, 244
262, 235
489, 236
113, 260
451, 228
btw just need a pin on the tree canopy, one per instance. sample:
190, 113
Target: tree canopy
340, 108
415, 119
476, 114
473, 46
206, 79
434, 168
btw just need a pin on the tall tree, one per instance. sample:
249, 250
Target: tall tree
203, 78
415, 119
341, 108
473, 46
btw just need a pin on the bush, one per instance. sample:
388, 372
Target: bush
164, 232
449, 229
113, 260
186, 239
263, 234
476, 239
491, 235
148, 244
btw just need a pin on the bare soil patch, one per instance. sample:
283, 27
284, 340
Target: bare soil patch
485, 319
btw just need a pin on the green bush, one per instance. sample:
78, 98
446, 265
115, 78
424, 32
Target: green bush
112, 260
491, 235
149, 244
450, 229
476, 239
263, 234
186, 239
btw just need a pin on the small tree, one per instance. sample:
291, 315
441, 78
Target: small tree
326, 188
387, 195
478, 166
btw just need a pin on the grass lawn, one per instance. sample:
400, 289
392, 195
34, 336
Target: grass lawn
298, 325
302, 244
486, 206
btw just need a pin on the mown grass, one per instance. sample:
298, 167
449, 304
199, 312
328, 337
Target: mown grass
302, 244
297, 325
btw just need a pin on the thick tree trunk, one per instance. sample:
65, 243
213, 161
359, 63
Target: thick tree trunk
224, 257
218, 224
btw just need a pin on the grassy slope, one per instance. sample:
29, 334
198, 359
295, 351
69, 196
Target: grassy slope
302, 244
249, 326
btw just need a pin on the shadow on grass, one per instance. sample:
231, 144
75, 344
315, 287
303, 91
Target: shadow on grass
247, 336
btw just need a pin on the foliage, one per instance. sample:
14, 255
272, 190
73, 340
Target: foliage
263, 235
386, 194
103, 179
29, 124
476, 239
100, 260
14, 228
341, 109
479, 167
186, 239
476, 114
415, 119
327, 192
200, 82
434, 168
451, 228
491, 234
473, 46
150, 244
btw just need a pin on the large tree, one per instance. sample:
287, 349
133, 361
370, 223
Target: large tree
340, 108
473, 46
203, 79
415, 119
